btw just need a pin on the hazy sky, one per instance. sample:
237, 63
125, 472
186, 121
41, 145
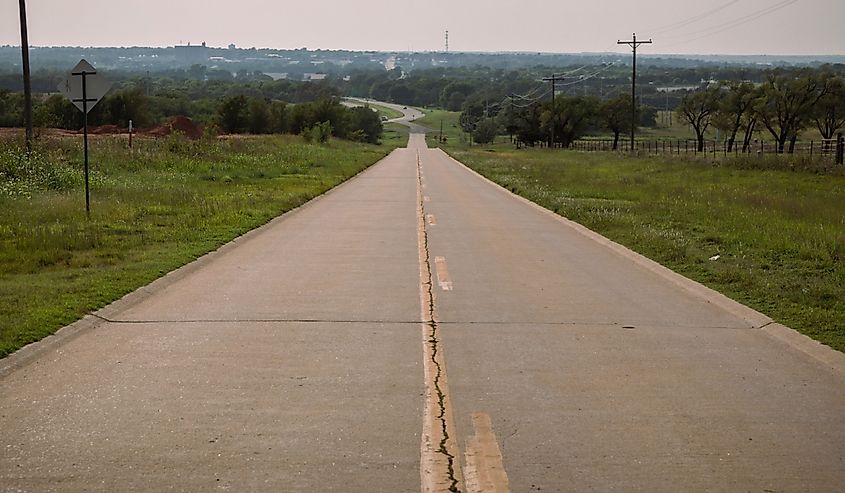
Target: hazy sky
677, 26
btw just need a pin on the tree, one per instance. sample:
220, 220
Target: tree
786, 105
258, 119
615, 115
829, 112
735, 111
366, 121
11, 108
232, 114
278, 114
697, 109
529, 128
401, 93
330, 110
570, 116
486, 131
197, 72
58, 112
647, 116
454, 94
128, 104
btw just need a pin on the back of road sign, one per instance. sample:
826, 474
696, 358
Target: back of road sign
96, 85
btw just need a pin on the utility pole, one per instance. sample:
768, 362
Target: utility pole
27, 82
510, 117
553, 79
633, 44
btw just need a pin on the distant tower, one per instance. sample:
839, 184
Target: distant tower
447, 41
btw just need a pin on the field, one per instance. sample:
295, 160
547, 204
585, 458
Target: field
395, 135
451, 128
773, 239
153, 209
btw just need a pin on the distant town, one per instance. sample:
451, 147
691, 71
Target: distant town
210, 63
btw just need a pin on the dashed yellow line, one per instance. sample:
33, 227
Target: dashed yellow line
443, 278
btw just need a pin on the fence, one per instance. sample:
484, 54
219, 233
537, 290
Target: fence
824, 149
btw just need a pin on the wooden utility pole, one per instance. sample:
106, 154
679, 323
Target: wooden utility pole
633, 44
553, 79
27, 82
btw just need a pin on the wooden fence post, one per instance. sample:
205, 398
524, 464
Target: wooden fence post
840, 148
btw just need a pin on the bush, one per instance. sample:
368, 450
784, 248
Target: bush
486, 131
319, 133
22, 173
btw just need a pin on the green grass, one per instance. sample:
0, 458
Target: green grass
780, 234
451, 127
153, 210
384, 111
395, 135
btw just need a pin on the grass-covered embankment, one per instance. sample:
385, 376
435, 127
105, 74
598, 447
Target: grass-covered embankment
153, 210
779, 235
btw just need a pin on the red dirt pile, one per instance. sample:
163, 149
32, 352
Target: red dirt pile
181, 124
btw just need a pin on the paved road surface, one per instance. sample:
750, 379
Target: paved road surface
415, 328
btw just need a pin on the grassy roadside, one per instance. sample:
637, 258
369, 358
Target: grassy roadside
395, 135
451, 126
771, 239
153, 210
384, 111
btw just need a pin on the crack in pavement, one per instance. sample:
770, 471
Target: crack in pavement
439, 323
433, 353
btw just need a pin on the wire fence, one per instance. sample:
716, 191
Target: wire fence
823, 149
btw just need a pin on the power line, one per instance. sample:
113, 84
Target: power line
739, 21
691, 20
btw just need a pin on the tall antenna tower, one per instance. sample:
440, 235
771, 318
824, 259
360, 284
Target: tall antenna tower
447, 41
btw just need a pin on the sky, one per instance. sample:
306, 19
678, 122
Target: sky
777, 27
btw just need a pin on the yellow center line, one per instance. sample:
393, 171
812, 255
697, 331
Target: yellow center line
443, 278
440, 468
485, 471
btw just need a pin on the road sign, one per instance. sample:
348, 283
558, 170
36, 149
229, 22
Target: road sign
85, 89
96, 86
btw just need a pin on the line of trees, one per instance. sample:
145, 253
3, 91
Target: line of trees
250, 111
255, 115
151, 101
566, 120
784, 105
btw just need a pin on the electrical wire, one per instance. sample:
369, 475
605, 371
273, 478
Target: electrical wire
692, 20
739, 21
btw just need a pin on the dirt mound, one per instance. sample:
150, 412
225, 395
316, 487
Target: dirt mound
107, 130
181, 124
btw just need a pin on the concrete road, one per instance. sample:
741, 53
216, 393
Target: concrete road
599, 370
419, 328
289, 361
409, 113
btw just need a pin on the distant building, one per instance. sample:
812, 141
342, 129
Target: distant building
191, 54
312, 77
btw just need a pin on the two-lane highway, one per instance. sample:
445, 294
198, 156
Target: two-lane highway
419, 328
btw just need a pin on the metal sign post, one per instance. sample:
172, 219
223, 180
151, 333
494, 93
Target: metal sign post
85, 89
85, 100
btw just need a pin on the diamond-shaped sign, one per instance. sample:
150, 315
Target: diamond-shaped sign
96, 86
